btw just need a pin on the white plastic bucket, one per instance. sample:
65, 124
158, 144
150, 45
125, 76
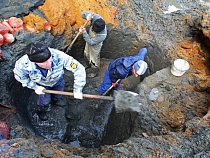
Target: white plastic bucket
179, 67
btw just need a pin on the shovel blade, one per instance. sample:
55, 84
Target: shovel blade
126, 101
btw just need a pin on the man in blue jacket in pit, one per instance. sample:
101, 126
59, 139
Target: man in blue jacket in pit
42, 68
122, 68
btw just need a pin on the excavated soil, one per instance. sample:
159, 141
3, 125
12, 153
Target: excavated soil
62, 15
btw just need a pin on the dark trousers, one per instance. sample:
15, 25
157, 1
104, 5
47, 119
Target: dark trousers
107, 83
44, 99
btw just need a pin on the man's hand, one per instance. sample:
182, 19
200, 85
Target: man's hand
39, 90
82, 29
78, 95
89, 17
114, 84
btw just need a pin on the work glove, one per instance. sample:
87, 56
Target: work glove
78, 94
82, 29
89, 17
114, 84
39, 90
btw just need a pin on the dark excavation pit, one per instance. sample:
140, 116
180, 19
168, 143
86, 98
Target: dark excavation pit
91, 123
88, 123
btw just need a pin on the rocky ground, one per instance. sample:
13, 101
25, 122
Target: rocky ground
175, 124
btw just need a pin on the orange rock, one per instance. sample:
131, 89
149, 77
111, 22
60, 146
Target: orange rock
114, 11
30, 29
186, 45
73, 22
67, 13
47, 26
35, 23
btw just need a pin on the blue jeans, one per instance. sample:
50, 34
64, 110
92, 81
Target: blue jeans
107, 83
44, 99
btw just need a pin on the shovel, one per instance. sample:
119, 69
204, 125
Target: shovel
110, 88
69, 47
84, 95
123, 100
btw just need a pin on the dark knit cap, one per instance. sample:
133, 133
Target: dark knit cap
38, 52
98, 25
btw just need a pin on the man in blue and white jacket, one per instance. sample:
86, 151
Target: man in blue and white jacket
94, 41
122, 68
43, 68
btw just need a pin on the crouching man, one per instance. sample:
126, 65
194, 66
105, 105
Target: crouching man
42, 68
122, 68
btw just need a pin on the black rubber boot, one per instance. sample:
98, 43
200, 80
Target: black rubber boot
88, 65
59, 102
42, 113
47, 107
93, 72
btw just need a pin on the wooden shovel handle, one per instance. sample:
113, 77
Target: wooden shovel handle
110, 87
84, 95
69, 47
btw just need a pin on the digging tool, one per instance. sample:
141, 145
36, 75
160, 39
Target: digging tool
84, 95
8, 106
123, 100
110, 87
69, 47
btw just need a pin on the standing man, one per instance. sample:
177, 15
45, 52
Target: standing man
123, 67
94, 41
43, 68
